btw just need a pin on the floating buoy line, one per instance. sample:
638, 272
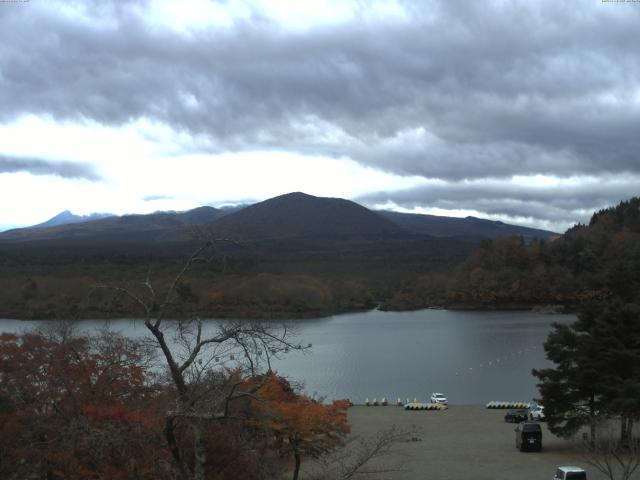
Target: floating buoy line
496, 362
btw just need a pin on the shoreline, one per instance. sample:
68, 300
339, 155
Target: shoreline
286, 315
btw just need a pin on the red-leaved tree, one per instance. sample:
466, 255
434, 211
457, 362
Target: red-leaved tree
74, 408
301, 426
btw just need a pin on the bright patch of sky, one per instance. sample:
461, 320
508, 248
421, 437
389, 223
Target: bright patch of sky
146, 167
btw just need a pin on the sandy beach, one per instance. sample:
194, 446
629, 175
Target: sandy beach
464, 442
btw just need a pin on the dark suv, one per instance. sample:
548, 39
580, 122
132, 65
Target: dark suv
529, 436
516, 416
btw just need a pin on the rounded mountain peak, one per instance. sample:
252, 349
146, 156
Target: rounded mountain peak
300, 214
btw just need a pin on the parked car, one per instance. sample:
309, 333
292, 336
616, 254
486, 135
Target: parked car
438, 398
516, 416
529, 436
536, 413
570, 473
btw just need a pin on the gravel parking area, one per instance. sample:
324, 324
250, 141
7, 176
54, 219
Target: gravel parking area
464, 442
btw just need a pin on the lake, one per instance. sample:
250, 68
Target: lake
472, 357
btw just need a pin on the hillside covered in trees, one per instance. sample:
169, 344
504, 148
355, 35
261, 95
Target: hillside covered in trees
588, 262
290, 256
314, 275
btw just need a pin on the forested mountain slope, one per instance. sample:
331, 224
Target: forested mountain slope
441, 226
587, 262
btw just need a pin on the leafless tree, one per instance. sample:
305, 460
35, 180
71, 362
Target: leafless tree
364, 457
608, 454
197, 355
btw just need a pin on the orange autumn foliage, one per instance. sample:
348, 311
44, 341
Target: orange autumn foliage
79, 408
302, 426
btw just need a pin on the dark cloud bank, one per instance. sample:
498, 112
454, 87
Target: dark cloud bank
37, 166
459, 91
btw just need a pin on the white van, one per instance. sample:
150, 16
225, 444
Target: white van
570, 473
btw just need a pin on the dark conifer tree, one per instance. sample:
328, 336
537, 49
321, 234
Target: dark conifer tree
571, 392
597, 369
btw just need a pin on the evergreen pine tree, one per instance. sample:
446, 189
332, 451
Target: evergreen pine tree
597, 370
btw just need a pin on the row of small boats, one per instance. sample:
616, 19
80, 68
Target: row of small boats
497, 404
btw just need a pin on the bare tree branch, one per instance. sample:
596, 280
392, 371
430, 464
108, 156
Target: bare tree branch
129, 294
363, 456
203, 393
610, 456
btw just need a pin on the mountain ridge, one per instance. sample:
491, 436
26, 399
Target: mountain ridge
157, 222
66, 217
442, 226
295, 223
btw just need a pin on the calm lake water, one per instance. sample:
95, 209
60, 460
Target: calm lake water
472, 357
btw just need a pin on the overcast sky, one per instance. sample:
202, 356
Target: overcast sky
523, 111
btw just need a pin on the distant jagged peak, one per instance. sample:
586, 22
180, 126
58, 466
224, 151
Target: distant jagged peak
67, 217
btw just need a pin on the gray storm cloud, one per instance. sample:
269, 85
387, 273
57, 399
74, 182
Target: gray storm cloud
555, 207
37, 166
457, 90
